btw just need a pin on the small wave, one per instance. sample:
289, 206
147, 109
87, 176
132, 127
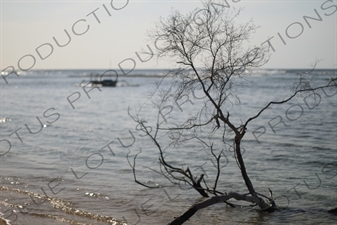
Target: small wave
60, 205
96, 195
4, 120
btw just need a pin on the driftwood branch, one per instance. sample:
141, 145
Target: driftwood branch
220, 199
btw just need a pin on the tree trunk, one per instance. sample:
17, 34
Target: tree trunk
248, 183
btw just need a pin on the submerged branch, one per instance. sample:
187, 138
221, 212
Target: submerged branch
220, 199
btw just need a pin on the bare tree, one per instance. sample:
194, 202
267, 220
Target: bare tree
213, 55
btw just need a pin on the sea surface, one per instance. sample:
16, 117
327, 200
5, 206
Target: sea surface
67, 151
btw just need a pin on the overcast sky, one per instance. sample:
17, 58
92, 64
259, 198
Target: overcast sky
109, 33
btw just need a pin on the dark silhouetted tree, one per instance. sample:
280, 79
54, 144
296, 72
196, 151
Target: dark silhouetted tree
212, 53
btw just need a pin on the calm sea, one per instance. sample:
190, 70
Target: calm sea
64, 152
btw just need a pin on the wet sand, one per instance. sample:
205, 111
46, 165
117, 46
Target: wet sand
2, 222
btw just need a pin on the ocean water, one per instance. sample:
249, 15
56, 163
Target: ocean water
65, 152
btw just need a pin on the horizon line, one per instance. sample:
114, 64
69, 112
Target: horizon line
128, 69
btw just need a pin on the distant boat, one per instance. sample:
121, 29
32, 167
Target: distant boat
95, 81
104, 83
